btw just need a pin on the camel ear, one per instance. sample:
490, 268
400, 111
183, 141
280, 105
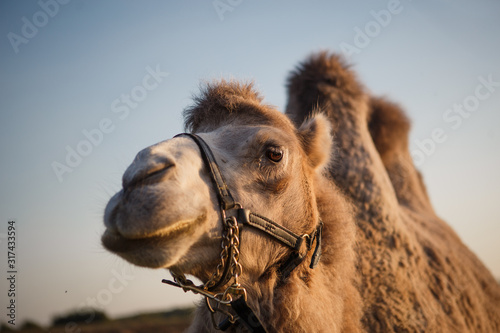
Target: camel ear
316, 139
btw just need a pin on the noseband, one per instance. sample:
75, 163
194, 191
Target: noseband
229, 268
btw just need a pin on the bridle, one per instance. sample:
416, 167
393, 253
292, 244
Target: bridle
229, 268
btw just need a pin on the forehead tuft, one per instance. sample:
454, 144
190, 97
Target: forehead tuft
226, 102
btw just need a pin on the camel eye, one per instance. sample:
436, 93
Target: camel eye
274, 155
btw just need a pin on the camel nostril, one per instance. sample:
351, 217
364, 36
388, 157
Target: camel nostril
146, 176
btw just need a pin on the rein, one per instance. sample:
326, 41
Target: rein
229, 268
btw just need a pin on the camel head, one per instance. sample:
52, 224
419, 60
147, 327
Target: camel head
167, 214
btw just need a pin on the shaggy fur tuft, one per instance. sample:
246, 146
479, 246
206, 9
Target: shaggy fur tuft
223, 102
324, 72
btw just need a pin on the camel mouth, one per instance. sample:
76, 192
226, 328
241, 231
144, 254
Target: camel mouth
117, 243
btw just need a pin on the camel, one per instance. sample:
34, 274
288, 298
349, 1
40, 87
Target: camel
335, 170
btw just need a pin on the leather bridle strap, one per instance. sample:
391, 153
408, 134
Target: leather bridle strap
273, 229
288, 238
226, 200
247, 316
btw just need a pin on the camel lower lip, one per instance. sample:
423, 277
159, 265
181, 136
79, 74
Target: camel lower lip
117, 243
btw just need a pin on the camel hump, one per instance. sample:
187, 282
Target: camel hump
389, 127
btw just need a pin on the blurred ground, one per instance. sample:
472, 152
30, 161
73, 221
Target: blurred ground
175, 321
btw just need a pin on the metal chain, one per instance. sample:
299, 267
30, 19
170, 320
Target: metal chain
225, 245
231, 245
217, 302
236, 268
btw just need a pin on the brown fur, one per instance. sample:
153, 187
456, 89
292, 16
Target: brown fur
415, 274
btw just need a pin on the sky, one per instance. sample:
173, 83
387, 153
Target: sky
85, 85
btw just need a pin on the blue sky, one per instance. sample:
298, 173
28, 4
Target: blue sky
70, 77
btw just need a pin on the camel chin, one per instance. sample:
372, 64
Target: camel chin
162, 249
